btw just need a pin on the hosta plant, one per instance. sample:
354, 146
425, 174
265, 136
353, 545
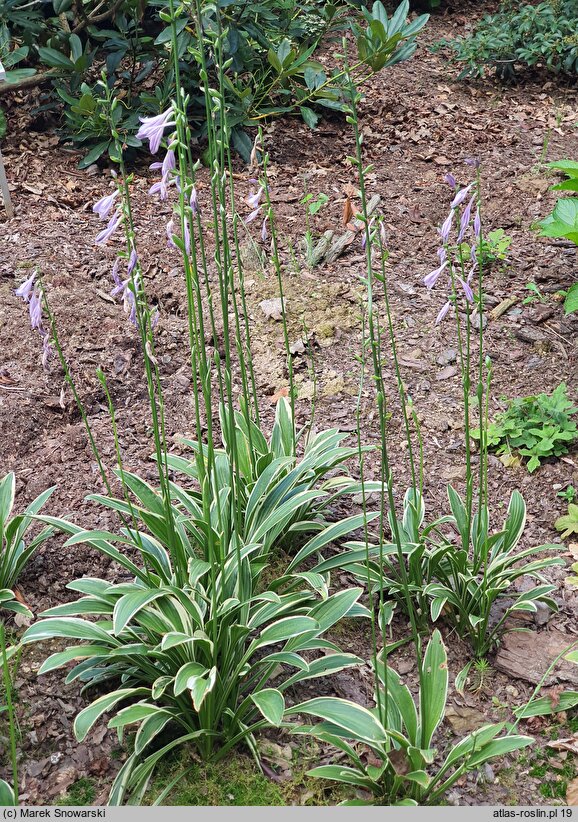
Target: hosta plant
459, 577
389, 749
189, 641
15, 550
278, 494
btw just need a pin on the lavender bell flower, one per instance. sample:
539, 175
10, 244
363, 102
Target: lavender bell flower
254, 198
461, 196
194, 201
477, 224
431, 279
168, 166
444, 231
35, 310
451, 180
264, 234
153, 128
445, 308
113, 224
187, 237
474, 162
442, 254
253, 215
467, 290
465, 220
25, 290
116, 279
132, 261
170, 232
103, 206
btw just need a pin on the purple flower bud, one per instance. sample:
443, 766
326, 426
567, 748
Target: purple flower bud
465, 221
477, 224
474, 255
103, 206
461, 196
467, 290
35, 310
431, 279
445, 308
264, 234
442, 254
113, 224
170, 232
451, 180
474, 162
130, 305
155, 319
187, 238
382, 234
152, 128
25, 290
159, 188
132, 261
444, 231
194, 201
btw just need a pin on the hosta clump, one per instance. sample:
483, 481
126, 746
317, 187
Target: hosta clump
389, 748
189, 643
459, 576
15, 551
278, 495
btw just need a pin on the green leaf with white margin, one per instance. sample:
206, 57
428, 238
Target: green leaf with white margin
498, 747
543, 705
345, 715
434, 690
130, 604
77, 652
331, 610
461, 677
68, 627
149, 728
323, 666
184, 673
284, 629
200, 686
333, 532
7, 797
271, 705
7, 492
134, 713
340, 773
89, 715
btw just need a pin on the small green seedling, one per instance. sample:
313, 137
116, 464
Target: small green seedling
314, 205
568, 524
535, 294
569, 494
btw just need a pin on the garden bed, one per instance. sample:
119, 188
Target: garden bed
418, 124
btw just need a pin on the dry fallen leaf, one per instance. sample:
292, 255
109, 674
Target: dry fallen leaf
569, 744
282, 392
572, 792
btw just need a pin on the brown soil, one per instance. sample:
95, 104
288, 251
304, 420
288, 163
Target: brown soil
418, 123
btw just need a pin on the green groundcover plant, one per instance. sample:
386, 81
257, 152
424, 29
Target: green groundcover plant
562, 223
536, 427
541, 35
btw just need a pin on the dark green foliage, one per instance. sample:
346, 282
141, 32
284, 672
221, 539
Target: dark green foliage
543, 35
536, 427
268, 60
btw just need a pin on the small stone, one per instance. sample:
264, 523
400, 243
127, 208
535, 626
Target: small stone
489, 775
92, 170
475, 319
447, 372
447, 357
